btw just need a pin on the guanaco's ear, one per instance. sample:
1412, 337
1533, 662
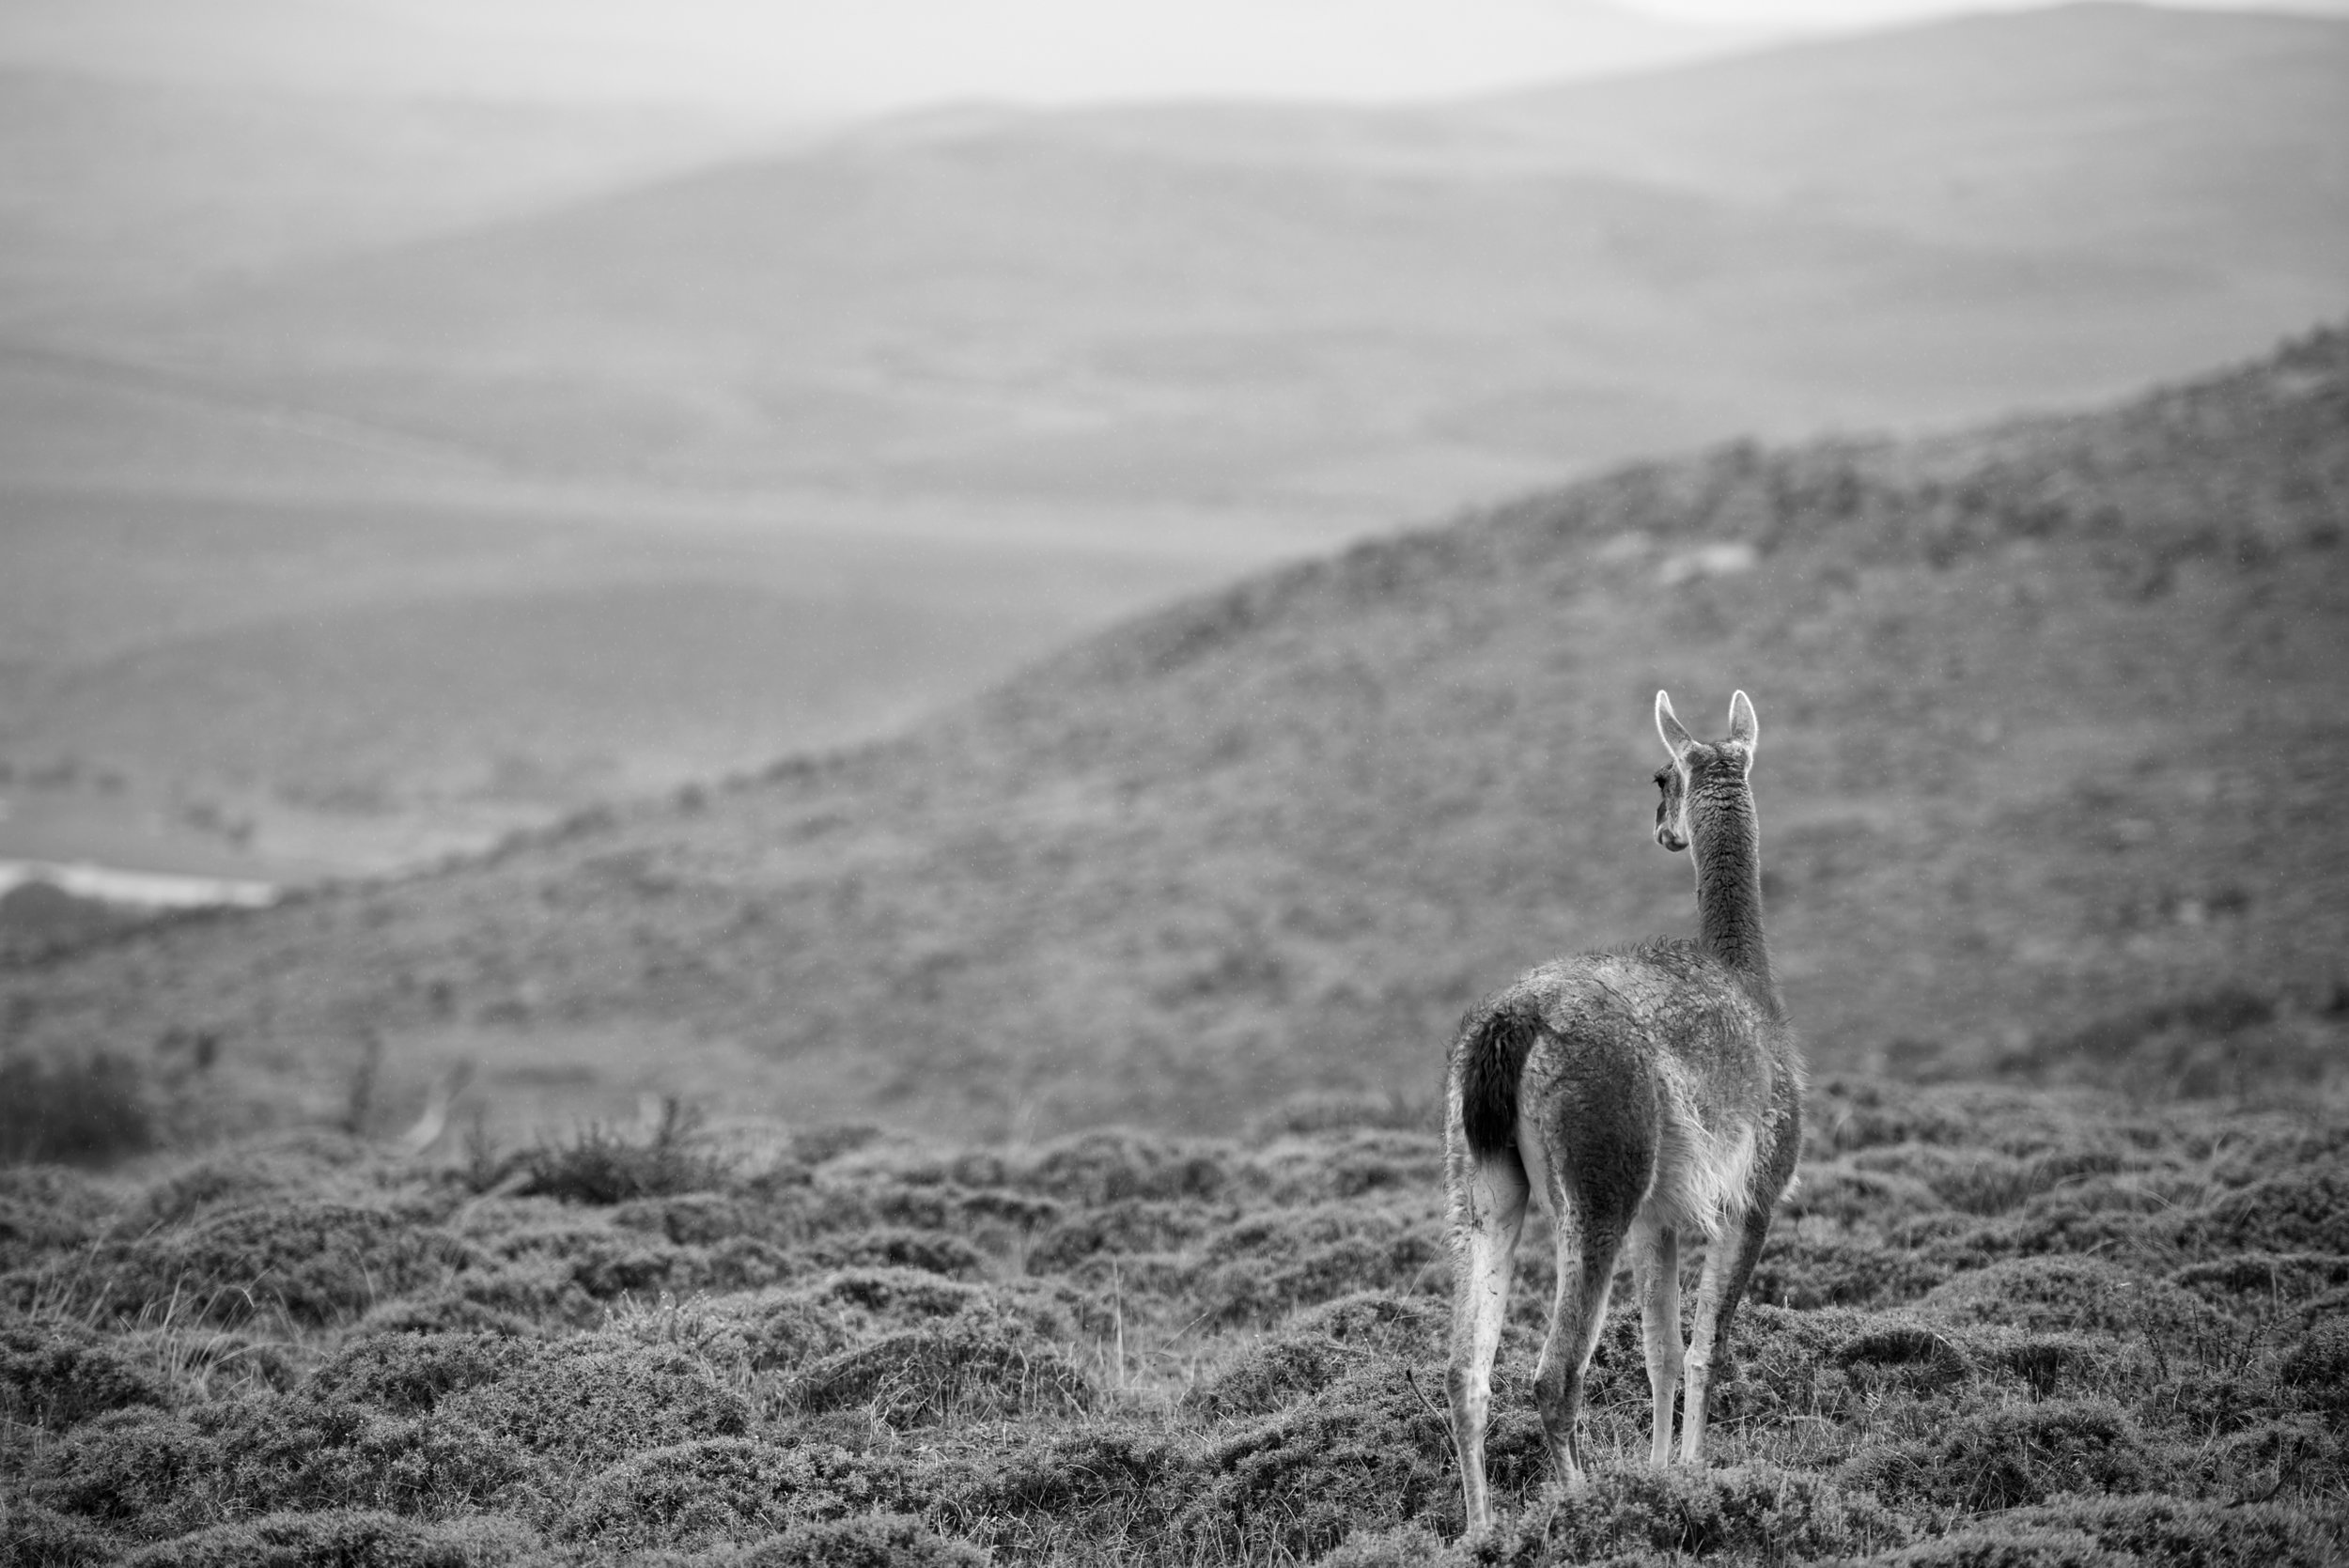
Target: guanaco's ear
1677, 740
1742, 726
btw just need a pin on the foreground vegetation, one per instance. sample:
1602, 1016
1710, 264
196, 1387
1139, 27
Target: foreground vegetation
1992, 1328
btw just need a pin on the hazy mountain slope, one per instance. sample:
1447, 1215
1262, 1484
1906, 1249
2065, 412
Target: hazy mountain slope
2204, 138
777, 63
115, 191
358, 682
1371, 312
1173, 341
1002, 309
2050, 719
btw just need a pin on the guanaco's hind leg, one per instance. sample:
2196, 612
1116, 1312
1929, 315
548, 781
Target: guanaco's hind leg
1656, 1260
1728, 1264
1588, 1245
1489, 1194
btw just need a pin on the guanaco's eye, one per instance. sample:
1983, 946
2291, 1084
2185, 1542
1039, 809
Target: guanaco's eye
1663, 778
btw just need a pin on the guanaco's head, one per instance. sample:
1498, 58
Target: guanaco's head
1704, 776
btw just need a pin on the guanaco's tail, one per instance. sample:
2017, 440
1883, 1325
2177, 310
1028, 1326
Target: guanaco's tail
1491, 1054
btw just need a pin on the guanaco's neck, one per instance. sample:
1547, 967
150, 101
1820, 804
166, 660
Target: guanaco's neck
1727, 849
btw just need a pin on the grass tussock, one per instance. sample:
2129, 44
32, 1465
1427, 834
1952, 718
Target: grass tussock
1994, 1329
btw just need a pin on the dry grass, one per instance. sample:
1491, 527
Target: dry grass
1177, 1353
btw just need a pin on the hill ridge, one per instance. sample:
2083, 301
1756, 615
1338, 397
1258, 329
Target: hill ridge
2027, 689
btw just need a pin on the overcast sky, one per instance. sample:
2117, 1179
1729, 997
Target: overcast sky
797, 58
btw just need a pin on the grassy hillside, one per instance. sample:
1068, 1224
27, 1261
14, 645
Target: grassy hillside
2049, 718
1990, 1329
305, 400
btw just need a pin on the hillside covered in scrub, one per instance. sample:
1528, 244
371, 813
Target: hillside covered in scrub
1992, 1328
2050, 735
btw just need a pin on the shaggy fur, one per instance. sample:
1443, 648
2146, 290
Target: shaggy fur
1648, 1095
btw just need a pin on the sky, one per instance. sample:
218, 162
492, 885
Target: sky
792, 60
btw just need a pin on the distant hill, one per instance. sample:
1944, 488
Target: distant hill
115, 190
2050, 735
2195, 138
308, 400
1369, 313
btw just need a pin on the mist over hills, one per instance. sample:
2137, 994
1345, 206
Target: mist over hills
304, 400
117, 190
2049, 722
1372, 312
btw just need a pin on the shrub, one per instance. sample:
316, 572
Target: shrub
1406, 1546
316, 1262
898, 1296
1916, 1358
953, 1207
602, 1166
963, 1369
1272, 1374
197, 1363
85, 1110
2302, 1210
2035, 1546
412, 1375
44, 1209
1128, 1226
32, 1536
444, 1312
134, 1470
2049, 1363
2317, 1368
1367, 1162
714, 1336
344, 1537
1745, 1513
1974, 1181
1405, 1326
875, 1540
722, 1489
537, 1291
1337, 1110
2081, 1294
1104, 1167
1342, 1167
1840, 1117
282, 1451
57, 1373
603, 1264
1317, 1349
587, 1400
699, 1220
1806, 1272
1250, 1293
2261, 1281
2180, 1532
1833, 1363
2050, 1223
1852, 1197
1363, 1454
1086, 1482
2013, 1454
1780, 1364
930, 1251
792, 1331
243, 1175
1274, 1264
